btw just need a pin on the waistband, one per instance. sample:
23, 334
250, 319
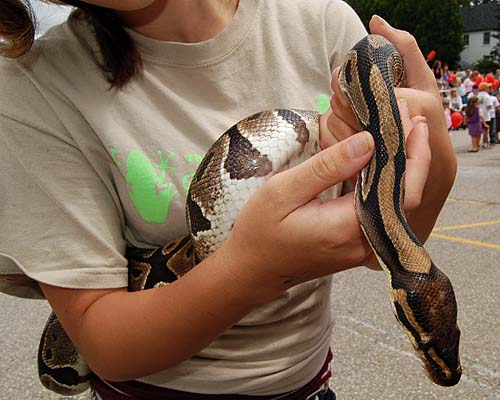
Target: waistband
134, 390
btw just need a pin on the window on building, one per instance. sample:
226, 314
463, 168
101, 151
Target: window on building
486, 38
466, 39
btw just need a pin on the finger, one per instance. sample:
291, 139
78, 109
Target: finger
405, 116
418, 154
338, 128
418, 73
323, 219
293, 188
340, 104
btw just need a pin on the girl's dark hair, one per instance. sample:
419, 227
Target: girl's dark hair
469, 108
120, 58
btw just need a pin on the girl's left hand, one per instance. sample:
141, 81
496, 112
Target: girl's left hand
421, 89
431, 162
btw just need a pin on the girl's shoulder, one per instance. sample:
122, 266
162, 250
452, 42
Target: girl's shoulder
57, 58
60, 65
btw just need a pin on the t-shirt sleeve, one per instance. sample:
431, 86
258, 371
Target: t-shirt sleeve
60, 223
343, 29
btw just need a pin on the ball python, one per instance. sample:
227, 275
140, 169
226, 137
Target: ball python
257, 147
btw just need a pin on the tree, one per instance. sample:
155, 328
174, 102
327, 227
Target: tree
436, 26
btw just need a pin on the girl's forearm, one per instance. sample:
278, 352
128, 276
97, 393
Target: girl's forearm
151, 330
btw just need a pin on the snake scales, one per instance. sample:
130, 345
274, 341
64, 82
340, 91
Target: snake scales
266, 143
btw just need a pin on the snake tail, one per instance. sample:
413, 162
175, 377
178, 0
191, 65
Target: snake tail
61, 368
422, 296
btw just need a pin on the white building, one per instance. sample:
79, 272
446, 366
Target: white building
480, 26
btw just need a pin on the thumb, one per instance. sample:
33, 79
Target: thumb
301, 184
418, 73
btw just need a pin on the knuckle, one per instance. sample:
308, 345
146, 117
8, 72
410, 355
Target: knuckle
408, 39
325, 165
275, 190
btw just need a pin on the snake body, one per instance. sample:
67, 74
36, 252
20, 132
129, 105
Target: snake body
264, 144
422, 296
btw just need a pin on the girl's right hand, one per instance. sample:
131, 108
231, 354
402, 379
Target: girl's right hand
284, 235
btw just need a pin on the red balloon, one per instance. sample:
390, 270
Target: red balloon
452, 78
496, 83
431, 55
479, 79
456, 119
490, 78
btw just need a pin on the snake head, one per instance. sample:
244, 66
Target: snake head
371, 69
440, 359
427, 310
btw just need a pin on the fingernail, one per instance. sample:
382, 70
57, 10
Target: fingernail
358, 145
382, 21
425, 126
420, 123
420, 119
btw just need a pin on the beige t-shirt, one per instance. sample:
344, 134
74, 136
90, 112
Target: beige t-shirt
84, 170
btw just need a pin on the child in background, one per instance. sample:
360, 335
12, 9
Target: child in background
461, 90
475, 122
456, 103
447, 112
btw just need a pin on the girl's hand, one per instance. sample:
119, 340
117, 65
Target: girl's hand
420, 97
284, 235
428, 180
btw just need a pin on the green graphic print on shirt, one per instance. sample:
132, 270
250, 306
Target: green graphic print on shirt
149, 190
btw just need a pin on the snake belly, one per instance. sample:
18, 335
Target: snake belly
264, 144
422, 296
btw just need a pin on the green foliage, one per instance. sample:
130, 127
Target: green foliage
487, 64
435, 25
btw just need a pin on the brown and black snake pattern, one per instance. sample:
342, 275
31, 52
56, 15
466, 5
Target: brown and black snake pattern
264, 144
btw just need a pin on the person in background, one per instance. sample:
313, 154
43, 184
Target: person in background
497, 74
456, 104
437, 69
493, 120
475, 122
485, 106
474, 92
447, 112
497, 115
468, 71
446, 73
461, 91
469, 82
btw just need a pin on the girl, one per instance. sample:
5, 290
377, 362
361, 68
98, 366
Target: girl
475, 122
103, 121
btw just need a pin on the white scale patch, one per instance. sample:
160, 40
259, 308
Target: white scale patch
282, 148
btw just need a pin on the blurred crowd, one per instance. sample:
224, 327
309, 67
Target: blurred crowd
471, 100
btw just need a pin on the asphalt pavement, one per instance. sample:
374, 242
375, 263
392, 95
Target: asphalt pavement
373, 358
